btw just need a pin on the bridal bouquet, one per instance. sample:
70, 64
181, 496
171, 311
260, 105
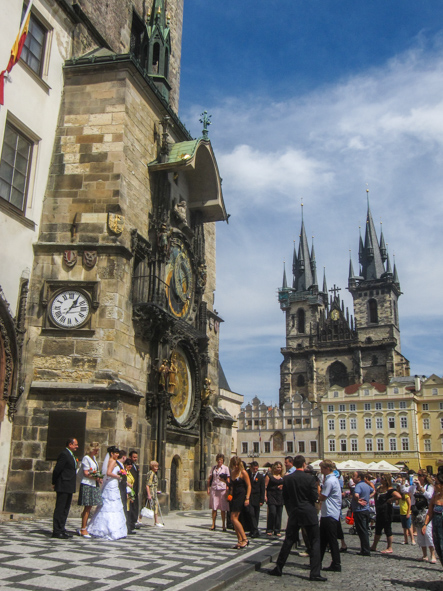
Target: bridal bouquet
123, 473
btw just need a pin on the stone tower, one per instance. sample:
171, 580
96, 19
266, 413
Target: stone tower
325, 346
122, 337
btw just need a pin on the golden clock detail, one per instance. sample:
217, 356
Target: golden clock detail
335, 315
179, 280
181, 400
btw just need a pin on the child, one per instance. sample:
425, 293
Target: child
405, 516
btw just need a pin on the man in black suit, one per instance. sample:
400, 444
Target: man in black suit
63, 482
300, 493
122, 484
134, 507
257, 497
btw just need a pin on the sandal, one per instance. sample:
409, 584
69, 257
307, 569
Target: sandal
424, 559
212, 528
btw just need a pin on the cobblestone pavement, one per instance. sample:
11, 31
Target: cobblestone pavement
183, 555
401, 571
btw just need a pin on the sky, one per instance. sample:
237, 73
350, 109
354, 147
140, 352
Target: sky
316, 101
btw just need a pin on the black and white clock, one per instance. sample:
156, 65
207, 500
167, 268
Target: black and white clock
70, 308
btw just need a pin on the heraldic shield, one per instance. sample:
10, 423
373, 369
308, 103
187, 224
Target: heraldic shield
90, 258
116, 223
70, 258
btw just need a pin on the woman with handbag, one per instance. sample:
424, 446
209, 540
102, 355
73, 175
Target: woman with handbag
218, 483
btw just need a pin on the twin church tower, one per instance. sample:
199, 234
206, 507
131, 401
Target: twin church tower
325, 346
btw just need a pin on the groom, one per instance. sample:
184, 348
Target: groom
63, 482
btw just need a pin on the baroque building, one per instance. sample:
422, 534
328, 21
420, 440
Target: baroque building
121, 342
325, 345
269, 433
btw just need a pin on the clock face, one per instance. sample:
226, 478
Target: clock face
70, 308
181, 398
335, 315
179, 280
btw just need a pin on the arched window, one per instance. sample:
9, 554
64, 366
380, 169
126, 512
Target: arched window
373, 312
301, 380
301, 320
156, 58
338, 375
395, 313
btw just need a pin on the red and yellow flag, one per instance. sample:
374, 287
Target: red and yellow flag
16, 49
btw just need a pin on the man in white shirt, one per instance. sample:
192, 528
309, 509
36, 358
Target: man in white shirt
330, 498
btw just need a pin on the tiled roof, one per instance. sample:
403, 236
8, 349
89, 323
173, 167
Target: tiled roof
353, 388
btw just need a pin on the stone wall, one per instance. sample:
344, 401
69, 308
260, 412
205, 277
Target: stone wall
113, 21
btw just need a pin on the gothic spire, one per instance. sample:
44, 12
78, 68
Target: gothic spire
285, 282
396, 279
294, 268
388, 265
370, 254
383, 250
313, 265
325, 285
304, 279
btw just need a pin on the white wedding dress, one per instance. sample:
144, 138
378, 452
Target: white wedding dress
109, 520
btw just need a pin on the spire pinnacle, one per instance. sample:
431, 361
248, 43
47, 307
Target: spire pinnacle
285, 282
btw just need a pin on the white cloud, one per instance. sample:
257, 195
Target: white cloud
384, 128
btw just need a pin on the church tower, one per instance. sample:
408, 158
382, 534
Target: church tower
375, 292
325, 345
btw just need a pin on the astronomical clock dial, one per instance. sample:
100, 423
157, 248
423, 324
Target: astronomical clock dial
335, 315
70, 308
181, 399
179, 280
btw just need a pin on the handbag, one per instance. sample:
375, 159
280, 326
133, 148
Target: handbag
147, 511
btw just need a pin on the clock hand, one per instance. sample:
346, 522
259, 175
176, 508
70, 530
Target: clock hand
74, 305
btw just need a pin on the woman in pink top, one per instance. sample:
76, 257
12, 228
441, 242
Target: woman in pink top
217, 490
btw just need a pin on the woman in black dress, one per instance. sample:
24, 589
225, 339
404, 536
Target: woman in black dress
274, 499
240, 488
385, 496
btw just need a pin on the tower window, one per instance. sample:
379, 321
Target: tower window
301, 321
300, 380
338, 375
373, 312
156, 58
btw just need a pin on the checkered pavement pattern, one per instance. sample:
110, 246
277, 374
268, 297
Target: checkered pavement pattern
154, 558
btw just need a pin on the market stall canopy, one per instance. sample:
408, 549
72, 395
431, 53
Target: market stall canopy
349, 465
382, 466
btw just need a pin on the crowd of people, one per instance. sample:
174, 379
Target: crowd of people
314, 503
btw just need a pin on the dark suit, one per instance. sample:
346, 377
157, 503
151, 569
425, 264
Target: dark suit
64, 480
256, 499
124, 494
133, 507
300, 493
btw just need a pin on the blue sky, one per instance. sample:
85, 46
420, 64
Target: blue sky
312, 99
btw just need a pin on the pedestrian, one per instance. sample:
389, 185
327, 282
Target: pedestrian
240, 488
300, 494
274, 499
63, 482
405, 517
330, 498
134, 506
152, 490
122, 486
89, 495
360, 509
217, 486
435, 515
289, 465
385, 497
257, 497
424, 491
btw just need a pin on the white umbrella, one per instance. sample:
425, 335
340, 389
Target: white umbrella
349, 465
315, 465
384, 466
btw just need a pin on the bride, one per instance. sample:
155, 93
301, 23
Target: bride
109, 520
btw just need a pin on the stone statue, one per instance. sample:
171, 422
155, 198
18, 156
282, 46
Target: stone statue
202, 276
206, 392
163, 239
172, 375
180, 212
163, 372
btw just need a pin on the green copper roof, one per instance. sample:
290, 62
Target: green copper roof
182, 151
